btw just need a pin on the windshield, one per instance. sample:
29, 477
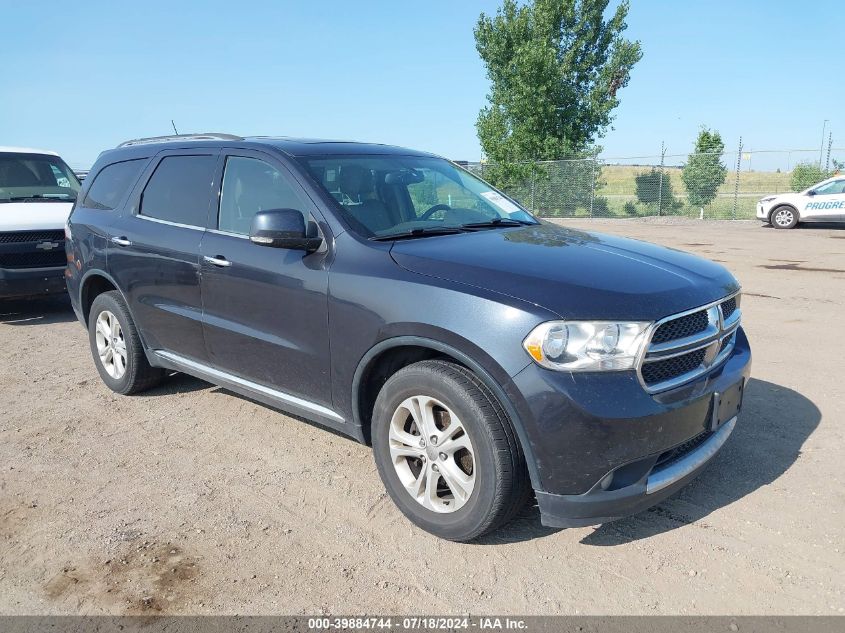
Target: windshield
36, 178
383, 196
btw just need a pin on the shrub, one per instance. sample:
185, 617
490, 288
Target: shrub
805, 175
630, 208
601, 208
656, 192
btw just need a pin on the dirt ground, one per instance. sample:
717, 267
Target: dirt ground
190, 499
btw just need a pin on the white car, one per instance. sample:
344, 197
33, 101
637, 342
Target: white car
37, 192
823, 202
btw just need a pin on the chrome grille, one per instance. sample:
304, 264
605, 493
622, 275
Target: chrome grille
687, 345
679, 328
662, 370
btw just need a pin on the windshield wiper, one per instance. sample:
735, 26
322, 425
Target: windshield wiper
420, 232
38, 197
496, 222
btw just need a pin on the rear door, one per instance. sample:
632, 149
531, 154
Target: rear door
154, 250
104, 195
266, 309
828, 203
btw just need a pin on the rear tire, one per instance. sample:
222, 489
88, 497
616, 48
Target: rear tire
116, 347
454, 494
784, 217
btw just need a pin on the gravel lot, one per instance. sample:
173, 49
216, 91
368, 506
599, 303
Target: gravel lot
190, 499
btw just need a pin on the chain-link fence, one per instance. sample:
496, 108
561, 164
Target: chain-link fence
720, 186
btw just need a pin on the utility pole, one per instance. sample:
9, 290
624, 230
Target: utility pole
821, 148
829, 147
736, 183
660, 180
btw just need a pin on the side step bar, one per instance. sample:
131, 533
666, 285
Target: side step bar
247, 387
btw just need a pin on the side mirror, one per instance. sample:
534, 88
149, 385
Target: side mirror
282, 228
811, 192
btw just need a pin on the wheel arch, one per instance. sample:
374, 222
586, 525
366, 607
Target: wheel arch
780, 206
94, 283
390, 355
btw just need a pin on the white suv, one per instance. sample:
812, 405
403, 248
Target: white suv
823, 202
37, 192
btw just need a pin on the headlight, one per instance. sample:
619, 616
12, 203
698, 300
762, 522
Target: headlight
769, 199
586, 345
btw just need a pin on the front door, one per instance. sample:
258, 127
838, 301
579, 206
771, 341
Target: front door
266, 309
155, 249
827, 204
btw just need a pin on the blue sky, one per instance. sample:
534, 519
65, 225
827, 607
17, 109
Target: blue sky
82, 76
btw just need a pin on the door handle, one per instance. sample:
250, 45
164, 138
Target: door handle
121, 241
218, 261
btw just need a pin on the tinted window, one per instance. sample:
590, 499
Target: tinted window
111, 184
179, 190
251, 185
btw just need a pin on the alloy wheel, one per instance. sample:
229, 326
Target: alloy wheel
111, 346
784, 217
432, 454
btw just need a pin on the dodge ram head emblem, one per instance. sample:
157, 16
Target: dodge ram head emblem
47, 246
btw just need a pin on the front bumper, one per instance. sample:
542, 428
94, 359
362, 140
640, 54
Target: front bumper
763, 210
584, 429
601, 506
31, 282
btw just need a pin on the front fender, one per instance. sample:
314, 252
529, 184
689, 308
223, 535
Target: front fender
494, 377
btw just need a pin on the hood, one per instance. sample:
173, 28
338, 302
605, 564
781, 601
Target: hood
576, 274
789, 195
33, 216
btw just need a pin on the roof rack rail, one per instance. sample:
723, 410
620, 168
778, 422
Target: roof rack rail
204, 136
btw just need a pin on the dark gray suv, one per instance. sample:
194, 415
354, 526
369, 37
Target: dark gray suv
394, 297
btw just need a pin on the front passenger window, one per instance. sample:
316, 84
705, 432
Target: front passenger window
831, 188
250, 185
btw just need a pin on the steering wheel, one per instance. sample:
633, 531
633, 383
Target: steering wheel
433, 210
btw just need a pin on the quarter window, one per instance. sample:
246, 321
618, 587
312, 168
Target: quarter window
249, 186
179, 190
111, 184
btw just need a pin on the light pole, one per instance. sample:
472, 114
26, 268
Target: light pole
821, 149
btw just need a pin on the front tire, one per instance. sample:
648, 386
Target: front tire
116, 347
784, 217
446, 451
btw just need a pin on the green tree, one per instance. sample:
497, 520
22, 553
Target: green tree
805, 175
655, 190
555, 69
704, 172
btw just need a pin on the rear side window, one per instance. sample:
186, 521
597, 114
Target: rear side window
111, 184
179, 190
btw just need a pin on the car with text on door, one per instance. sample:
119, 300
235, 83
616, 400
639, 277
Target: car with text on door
392, 296
823, 202
37, 191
